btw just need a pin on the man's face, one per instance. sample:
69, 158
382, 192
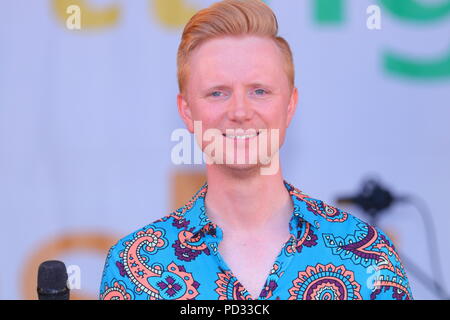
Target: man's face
238, 83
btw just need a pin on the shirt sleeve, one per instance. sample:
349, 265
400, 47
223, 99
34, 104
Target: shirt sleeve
389, 278
115, 284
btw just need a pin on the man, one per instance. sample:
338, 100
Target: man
248, 234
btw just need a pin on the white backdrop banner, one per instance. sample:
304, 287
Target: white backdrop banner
88, 104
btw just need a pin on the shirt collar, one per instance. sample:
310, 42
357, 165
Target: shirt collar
193, 218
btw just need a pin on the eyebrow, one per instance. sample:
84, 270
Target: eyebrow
251, 85
219, 87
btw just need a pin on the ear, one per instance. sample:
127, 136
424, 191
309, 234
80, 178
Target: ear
292, 107
185, 112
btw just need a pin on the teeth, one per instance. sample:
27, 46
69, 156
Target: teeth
245, 136
242, 137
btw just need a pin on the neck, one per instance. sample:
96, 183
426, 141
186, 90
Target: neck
247, 201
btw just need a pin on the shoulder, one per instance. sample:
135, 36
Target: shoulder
127, 262
155, 235
331, 219
170, 230
353, 239
344, 231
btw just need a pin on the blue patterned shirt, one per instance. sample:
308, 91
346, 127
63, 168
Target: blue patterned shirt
330, 255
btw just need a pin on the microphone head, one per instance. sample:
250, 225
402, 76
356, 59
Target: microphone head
52, 281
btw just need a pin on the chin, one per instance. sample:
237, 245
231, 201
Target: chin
241, 169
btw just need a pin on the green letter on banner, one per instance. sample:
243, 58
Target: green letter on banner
329, 11
415, 68
416, 11
413, 10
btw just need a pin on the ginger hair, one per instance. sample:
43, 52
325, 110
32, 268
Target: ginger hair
231, 18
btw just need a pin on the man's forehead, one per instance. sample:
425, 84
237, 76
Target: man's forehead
248, 72
251, 49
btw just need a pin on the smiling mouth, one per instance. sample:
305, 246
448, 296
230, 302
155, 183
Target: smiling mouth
241, 136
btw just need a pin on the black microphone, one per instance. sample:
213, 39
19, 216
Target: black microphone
373, 198
52, 281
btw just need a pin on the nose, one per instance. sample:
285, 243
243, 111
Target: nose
240, 109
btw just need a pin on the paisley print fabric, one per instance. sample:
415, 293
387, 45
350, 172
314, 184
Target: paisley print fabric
331, 255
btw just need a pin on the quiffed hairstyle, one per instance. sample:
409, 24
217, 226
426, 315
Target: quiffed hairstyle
231, 18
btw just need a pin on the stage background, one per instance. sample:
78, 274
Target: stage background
86, 118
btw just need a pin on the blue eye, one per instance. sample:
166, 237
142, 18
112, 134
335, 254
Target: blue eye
260, 92
216, 93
